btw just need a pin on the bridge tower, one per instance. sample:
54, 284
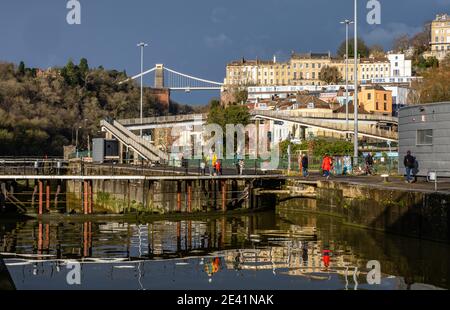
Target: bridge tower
159, 76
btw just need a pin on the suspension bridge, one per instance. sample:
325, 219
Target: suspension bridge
176, 81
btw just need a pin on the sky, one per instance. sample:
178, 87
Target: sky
197, 37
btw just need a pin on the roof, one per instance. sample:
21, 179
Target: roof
304, 100
351, 109
311, 55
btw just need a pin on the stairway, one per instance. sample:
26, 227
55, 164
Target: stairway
143, 147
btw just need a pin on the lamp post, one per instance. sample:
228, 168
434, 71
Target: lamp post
347, 23
355, 78
142, 45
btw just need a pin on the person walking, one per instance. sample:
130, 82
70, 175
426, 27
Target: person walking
241, 166
410, 163
327, 164
218, 168
369, 164
305, 166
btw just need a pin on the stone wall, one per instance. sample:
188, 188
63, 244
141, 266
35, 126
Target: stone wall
418, 214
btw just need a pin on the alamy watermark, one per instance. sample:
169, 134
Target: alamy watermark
74, 275
74, 15
374, 15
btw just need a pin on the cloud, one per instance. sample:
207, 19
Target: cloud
219, 15
217, 41
443, 2
385, 35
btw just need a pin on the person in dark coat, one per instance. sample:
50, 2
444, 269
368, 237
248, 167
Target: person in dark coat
410, 163
305, 166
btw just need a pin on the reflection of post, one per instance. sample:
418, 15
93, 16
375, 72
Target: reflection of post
189, 196
47, 237
40, 238
190, 234
40, 197
86, 239
47, 196
222, 235
179, 196
178, 236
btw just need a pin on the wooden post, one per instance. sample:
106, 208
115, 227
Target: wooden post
189, 196
40, 197
47, 196
91, 197
86, 194
179, 196
224, 195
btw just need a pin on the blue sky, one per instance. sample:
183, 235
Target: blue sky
197, 37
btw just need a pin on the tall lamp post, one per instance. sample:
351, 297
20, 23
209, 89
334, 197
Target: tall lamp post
142, 45
347, 23
355, 78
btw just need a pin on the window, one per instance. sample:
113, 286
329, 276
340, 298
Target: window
377, 107
385, 96
385, 106
369, 96
425, 137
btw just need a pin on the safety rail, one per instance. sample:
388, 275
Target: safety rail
163, 119
433, 176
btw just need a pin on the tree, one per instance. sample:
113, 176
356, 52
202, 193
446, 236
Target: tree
435, 85
363, 50
241, 96
401, 43
83, 68
330, 75
21, 69
377, 51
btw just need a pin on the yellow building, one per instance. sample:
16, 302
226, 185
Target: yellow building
440, 36
376, 99
300, 69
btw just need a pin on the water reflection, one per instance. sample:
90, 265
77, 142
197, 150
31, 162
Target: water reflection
263, 251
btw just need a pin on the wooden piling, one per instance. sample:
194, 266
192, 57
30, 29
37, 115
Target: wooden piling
86, 197
40, 197
189, 197
179, 196
224, 196
47, 196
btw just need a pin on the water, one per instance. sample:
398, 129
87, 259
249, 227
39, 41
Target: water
263, 251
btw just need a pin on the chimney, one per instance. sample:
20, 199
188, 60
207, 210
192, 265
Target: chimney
274, 59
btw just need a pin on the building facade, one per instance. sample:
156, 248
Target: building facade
304, 70
440, 36
375, 99
425, 131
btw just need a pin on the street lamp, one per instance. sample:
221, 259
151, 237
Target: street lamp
355, 78
347, 23
142, 45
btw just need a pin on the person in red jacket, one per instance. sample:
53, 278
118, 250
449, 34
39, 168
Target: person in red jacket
327, 164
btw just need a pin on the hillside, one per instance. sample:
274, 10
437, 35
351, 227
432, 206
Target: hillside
40, 111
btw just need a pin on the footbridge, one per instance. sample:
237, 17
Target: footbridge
371, 129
